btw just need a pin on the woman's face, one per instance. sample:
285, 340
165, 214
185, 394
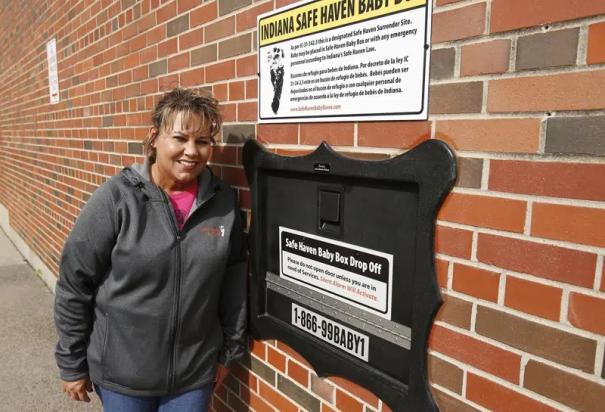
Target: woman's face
182, 152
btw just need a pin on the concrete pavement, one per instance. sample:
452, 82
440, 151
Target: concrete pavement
29, 378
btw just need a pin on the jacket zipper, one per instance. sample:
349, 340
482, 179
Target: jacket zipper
177, 288
177, 292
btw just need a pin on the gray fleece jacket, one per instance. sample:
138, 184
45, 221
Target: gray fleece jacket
142, 307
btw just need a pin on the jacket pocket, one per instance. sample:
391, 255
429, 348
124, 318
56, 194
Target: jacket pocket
135, 351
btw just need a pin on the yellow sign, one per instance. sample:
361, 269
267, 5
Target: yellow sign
322, 15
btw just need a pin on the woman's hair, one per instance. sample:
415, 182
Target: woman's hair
190, 103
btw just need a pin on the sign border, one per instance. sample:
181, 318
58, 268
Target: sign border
386, 314
392, 116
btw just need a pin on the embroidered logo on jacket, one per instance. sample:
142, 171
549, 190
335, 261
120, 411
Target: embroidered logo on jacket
214, 231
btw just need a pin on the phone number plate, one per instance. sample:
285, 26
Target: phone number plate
332, 332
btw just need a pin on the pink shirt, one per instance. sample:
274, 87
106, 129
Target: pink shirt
182, 202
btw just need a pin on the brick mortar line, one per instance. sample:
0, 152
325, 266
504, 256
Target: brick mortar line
499, 381
595, 204
176, 37
582, 50
246, 8
334, 384
307, 390
53, 33
77, 160
53, 242
48, 196
502, 288
464, 387
520, 236
523, 364
73, 168
266, 363
599, 361
484, 339
484, 96
299, 134
237, 33
473, 324
536, 157
450, 277
503, 195
236, 395
292, 359
525, 74
38, 262
121, 29
457, 62
598, 273
474, 246
528, 218
53, 216
559, 326
21, 174
23, 143
488, 17
42, 241
223, 404
117, 73
350, 149
564, 312
80, 180
455, 6
485, 171
50, 18
515, 115
52, 246
458, 397
287, 373
94, 18
525, 31
42, 92
168, 73
48, 215
512, 58
434, 117
46, 247
542, 133
30, 133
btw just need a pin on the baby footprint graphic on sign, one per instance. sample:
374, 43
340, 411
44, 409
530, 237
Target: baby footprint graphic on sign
276, 68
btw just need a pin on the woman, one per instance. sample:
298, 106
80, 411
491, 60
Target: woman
151, 299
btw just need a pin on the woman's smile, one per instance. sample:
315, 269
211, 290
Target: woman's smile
188, 164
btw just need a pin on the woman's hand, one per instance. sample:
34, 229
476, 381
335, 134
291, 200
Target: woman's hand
77, 390
221, 374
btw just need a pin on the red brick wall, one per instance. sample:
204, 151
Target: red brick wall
517, 89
